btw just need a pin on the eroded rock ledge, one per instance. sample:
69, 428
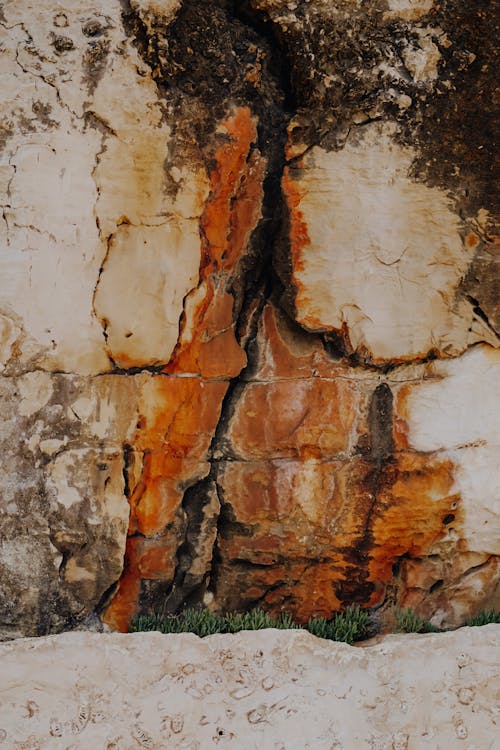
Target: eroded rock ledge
249, 309
267, 690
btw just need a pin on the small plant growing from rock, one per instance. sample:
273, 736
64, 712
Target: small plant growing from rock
486, 617
257, 619
407, 621
201, 622
352, 625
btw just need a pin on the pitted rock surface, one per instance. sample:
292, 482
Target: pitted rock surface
267, 690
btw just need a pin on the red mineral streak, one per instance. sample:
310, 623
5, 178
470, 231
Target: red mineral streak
312, 536
178, 415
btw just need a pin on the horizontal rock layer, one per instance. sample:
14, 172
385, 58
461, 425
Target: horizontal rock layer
249, 309
267, 689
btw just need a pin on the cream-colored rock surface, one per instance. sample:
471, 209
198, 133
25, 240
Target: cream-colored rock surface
266, 690
376, 254
87, 152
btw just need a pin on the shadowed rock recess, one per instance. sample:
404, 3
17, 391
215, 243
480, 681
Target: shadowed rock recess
249, 312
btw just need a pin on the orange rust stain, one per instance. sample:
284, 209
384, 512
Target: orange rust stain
154, 558
174, 437
155, 499
299, 234
285, 353
213, 351
232, 211
411, 512
310, 418
472, 240
124, 604
178, 415
312, 563
401, 429
232, 180
314, 593
176, 422
145, 559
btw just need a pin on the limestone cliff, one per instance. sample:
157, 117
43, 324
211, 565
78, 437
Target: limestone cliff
249, 311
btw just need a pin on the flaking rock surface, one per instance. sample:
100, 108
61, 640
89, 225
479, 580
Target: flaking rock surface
249, 309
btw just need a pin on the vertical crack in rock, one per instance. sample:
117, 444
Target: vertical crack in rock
224, 81
256, 283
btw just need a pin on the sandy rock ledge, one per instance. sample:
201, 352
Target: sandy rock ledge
271, 690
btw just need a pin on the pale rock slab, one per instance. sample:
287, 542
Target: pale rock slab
148, 272
78, 114
263, 690
377, 254
454, 410
64, 512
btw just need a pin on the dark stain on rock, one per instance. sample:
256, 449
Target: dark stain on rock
456, 132
94, 61
42, 111
62, 43
350, 67
481, 284
93, 28
381, 423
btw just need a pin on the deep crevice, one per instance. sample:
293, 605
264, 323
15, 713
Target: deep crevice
272, 100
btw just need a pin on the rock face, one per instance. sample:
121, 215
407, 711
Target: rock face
249, 309
269, 689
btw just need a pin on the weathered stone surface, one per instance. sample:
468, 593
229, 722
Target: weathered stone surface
376, 255
269, 689
249, 310
333, 477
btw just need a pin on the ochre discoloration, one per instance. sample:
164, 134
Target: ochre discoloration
177, 421
324, 497
318, 534
178, 415
311, 417
415, 504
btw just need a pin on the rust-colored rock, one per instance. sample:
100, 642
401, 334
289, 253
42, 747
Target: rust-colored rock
179, 411
309, 536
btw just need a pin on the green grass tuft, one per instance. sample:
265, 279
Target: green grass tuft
486, 617
407, 621
354, 624
349, 626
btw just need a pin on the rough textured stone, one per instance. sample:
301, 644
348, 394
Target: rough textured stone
377, 255
249, 310
269, 689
